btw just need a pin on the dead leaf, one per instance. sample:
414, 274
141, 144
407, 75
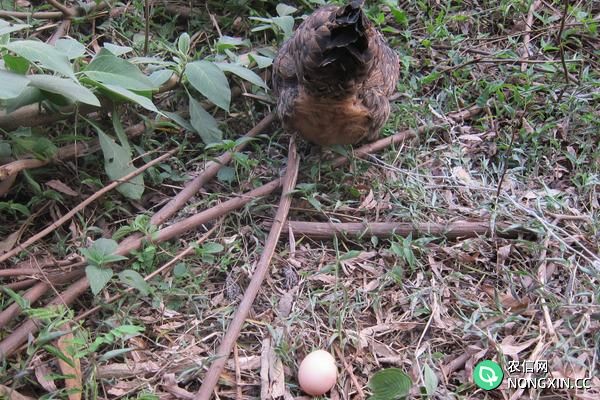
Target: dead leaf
7, 244
72, 368
510, 348
61, 187
11, 394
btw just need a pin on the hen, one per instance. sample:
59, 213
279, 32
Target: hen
333, 77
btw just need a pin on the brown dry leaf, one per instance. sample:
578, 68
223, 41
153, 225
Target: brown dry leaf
11, 394
276, 375
264, 368
7, 244
369, 202
42, 370
61, 187
72, 369
463, 176
510, 348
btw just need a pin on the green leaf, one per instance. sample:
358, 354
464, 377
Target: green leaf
12, 84
160, 77
45, 55
212, 248
390, 384
71, 47
135, 280
286, 23
116, 49
25, 142
117, 163
9, 27
226, 174
350, 255
109, 69
98, 277
183, 43
29, 96
124, 94
229, 42
179, 120
431, 380
243, 73
64, 87
16, 64
284, 9
261, 61
209, 80
204, 123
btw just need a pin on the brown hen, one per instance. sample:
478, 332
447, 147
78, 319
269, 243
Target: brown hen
333, 77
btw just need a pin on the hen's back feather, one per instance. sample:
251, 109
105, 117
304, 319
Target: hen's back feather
333, 77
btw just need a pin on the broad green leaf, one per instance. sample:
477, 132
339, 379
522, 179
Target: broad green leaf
229, 42
204, 123
9, 27
117, 163
160, 77
64, 87
431, 380
24, 142
116, 49
209, 80
243, 73
45, 55
71, 47
286, 24
390, 384
12, 84
124, 94
284, 9
179, 120
16, 64
261, 61
135, 280
212, 248
98, 277
109, 69
226, 174
29, 96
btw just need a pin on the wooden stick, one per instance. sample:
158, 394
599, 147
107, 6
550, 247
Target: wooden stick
14, 309
82, 205
451, 230
262, 268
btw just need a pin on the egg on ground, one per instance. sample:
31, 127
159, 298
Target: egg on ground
317, 373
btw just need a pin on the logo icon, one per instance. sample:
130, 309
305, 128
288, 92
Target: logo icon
488, 375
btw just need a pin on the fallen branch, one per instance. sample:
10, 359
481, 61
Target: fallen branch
233, 331
64, 12
82, 205
451, 230
31, 296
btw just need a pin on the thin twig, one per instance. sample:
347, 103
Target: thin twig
561, 46
67, 12
233, 331
82, 205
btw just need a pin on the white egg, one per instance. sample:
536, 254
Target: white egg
317, 373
